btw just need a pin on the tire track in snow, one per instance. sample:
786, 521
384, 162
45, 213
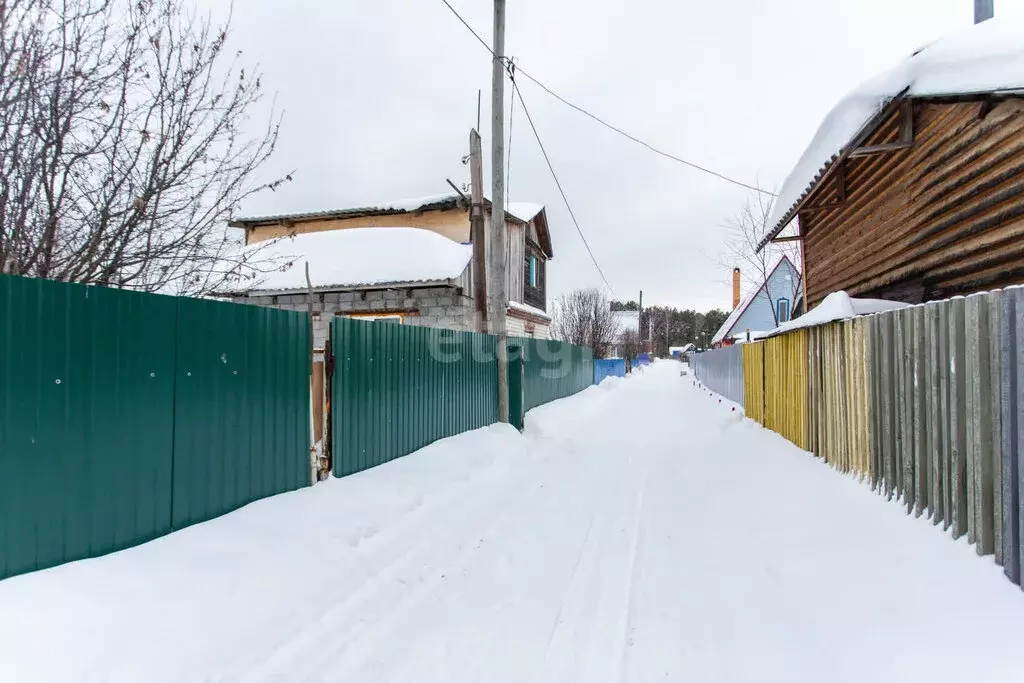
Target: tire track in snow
401, 582
396, 547
636, 552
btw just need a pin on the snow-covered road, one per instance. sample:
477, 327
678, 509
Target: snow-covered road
640, 531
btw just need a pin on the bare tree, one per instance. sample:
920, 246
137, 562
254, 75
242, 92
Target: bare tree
745, 232
584, 317
629, 345
122, 150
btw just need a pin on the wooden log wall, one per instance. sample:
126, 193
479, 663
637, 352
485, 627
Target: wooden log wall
942, 218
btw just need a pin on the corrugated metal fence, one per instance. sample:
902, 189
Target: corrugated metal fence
923, 402
608, 367
124, 416
553, 370
721, 370
398, 388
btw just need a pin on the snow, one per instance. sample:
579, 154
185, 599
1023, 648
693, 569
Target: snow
754, 336
986, 57
359, 257
700, 548
524, 211
627, 320
837, 306
526, 308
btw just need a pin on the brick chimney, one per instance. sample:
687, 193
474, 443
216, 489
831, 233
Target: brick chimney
735, 288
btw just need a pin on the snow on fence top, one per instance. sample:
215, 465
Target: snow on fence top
359, 257
837, 306
988, 57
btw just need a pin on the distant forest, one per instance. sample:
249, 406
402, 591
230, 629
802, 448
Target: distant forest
672, 327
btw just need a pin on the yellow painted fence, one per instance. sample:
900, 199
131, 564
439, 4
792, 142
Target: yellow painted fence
775, 384
838, 398
810, 386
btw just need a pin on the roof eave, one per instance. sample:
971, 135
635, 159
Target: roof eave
358, 212
828, 168
320, 289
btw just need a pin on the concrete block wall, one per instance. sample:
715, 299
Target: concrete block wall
442, 307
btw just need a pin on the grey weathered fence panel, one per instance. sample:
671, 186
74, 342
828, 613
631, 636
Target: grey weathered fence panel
942, 333
919, 440
1012, 430
957, 418
993, 419
933, 401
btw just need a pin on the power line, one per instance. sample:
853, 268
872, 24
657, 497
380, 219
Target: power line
604, 123
511, 111
565, 199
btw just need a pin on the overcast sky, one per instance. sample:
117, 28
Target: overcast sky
379, 96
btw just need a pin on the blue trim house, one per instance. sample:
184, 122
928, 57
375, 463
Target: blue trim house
766, 307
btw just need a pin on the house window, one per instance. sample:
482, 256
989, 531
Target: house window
532, 271
782, 310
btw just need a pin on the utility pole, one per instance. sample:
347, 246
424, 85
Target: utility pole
498, 279
477, 230
983, 10
639, 321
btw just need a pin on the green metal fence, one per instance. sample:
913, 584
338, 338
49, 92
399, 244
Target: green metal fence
398, 388
553, 370
241, 429
122, 418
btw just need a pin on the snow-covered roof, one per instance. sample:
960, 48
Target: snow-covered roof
985, 58
837, 306
754, 336
627, 320
527, 308
734, 317
359, 257
523, 211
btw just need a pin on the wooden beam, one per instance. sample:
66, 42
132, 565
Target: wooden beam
880, 149
790, 238
907, 122
906, 134
841, 181
821, 207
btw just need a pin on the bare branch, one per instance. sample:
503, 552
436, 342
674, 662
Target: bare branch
744, 232
584, 317
122, 151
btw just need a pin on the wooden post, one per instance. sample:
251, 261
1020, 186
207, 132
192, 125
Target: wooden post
314, 461
477, 230
498, 280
